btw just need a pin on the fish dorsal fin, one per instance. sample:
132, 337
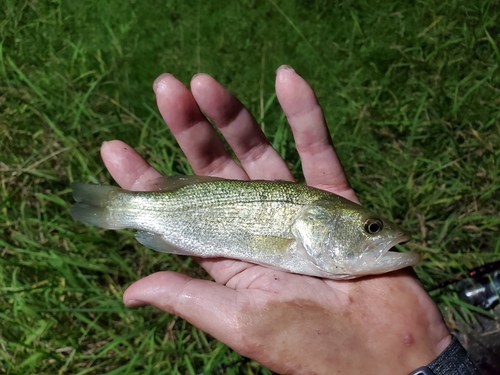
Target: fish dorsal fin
172, 183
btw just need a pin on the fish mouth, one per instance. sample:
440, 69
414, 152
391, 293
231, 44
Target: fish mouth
383, 258
392, 261
383, 247
399, 240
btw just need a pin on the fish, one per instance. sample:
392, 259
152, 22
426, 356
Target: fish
281, 225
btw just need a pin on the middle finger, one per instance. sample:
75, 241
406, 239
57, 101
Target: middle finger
250, 145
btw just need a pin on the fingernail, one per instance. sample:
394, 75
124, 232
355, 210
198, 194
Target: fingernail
135, 303
103, 143
198, 74
160, 78
286, 67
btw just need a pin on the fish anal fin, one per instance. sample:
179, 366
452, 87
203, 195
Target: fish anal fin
157, 242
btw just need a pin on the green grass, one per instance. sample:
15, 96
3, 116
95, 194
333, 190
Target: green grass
410, 89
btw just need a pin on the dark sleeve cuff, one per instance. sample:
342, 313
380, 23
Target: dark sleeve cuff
454, 360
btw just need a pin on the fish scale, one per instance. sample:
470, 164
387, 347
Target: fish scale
281, 225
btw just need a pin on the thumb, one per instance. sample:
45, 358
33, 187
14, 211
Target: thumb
205, 304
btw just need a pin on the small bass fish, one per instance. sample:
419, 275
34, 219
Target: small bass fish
281, 225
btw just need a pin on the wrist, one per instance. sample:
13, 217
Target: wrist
454, 360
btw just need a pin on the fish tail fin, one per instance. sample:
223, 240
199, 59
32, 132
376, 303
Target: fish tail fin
92, 204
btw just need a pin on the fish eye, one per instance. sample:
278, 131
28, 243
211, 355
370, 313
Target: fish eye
373, 226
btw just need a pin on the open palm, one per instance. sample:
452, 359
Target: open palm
292, 324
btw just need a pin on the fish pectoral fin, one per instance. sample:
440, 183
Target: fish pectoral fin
312, 228
157, 242
173, 183
270, 243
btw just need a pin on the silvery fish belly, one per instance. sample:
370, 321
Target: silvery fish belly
280, 225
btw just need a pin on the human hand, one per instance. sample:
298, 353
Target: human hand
292, 324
